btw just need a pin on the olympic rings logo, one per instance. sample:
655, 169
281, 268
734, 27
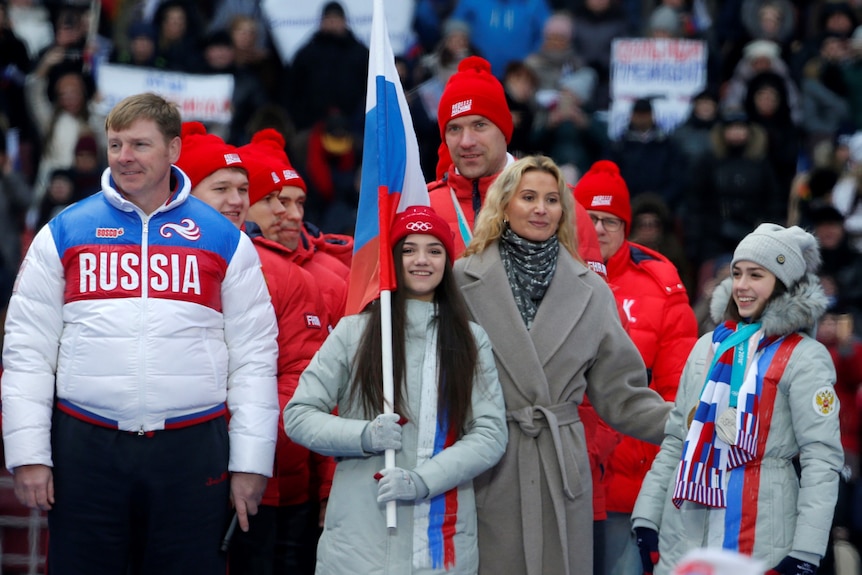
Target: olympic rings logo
419, 226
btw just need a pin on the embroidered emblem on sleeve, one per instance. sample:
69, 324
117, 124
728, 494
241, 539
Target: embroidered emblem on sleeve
824, 401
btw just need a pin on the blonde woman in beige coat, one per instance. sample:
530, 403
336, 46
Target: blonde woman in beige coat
556, 335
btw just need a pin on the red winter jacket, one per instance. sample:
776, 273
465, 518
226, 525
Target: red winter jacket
661, 323
601, 440
329, 273
440, 193
303, 324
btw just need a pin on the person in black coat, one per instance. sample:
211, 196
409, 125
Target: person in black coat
329, 72
649, 160
766, 104
841, 261
734, 190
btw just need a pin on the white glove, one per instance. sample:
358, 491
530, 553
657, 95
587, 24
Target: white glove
400, 484
382, 433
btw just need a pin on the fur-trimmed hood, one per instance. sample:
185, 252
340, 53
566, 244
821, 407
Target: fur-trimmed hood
796, 310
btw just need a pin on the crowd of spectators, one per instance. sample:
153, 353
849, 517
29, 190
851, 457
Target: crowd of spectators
776, 134
779, 112
783, 81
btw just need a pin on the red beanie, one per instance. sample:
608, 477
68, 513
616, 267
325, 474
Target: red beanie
603, 189
474, 90
264, 175
202, 154
423, 220
264, 172
273, 144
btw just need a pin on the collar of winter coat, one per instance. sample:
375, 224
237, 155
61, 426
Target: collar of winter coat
619, 261
755, 147
420, 315
302, 254
464, 186
796, 310
181, 189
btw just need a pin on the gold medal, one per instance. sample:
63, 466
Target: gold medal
725, 426
691, 415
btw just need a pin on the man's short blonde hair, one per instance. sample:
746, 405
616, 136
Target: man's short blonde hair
146, 106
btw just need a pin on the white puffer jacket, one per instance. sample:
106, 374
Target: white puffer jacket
140, 323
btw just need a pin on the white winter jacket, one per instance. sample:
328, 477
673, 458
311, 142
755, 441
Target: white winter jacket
141, 323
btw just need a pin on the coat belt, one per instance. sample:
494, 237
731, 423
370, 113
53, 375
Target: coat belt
532, 420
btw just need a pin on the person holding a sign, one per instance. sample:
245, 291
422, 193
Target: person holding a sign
448, 424
557, 336
140, 319
756, 393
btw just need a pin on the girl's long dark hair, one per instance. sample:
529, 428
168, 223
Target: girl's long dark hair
457, 352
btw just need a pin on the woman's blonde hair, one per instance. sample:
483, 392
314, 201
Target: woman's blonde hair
491, 221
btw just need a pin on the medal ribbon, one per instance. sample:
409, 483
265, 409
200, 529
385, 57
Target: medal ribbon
739, 341
463, 227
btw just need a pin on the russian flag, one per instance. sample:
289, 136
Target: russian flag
392, 178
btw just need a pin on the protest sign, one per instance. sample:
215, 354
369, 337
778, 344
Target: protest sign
200, 97
669, 72
291, 27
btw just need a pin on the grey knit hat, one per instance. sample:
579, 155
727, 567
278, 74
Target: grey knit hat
789, 253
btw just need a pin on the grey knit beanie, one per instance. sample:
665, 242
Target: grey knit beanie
789, 253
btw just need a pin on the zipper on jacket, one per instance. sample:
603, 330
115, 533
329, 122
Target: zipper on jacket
145, 283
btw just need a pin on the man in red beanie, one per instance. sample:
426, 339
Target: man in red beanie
476, 126
311, 250
284, 528
661, 323
218, 176
238, 183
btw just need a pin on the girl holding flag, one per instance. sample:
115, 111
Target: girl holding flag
448, 424
756, 393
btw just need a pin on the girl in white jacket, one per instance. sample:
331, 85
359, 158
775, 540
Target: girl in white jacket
756, 393
447, 427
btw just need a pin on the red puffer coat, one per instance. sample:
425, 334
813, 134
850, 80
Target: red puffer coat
303, 324
661, 323
329, 273
339, 246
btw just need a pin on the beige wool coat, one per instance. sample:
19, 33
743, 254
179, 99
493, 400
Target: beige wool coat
535, 506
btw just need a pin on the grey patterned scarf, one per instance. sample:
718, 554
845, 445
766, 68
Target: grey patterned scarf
529, 267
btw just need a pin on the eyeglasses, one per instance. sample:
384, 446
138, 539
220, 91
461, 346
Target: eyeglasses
610, 224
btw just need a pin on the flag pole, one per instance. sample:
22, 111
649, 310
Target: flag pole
391, 181
388, 389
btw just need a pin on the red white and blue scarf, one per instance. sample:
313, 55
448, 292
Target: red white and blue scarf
701, 475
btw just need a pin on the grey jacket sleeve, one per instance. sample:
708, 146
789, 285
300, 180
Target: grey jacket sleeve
617, 381
654, 490
308, 418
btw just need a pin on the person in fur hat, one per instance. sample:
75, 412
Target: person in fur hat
756, 393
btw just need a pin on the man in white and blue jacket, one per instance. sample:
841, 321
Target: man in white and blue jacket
139, 325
